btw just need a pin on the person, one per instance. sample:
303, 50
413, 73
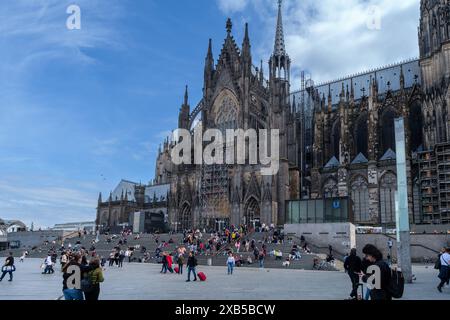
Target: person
364, 265
48, 265
261, 259
164, 263
169, 263
180, 262
231, 262
96, 277
191, 264
23, 256
353, 267
121, 258
8, 267
444, 271
375, 257
73, 293
63, 260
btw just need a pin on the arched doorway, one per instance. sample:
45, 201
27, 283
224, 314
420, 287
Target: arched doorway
185, 219
252, 214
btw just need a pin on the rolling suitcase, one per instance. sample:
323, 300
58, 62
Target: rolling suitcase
177, 270
201, 276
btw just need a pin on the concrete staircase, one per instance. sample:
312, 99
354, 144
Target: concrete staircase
103, 249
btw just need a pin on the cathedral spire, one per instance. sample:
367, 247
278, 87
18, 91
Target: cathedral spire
100, 198
246, 49
280, 63
186, 96
279, 49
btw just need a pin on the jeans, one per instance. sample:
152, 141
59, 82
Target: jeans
164, 268
73, 294
192, 269
261, 263
354, 278
230, 268
180, 269
4, 274
367, 297
48, 269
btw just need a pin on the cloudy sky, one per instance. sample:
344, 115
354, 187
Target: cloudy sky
82, 109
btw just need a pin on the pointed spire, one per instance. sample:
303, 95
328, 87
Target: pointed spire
186, 97
229, 26
246, 51
100, 197
279, 49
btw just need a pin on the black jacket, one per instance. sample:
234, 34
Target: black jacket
383, 293
192, 262
353, 264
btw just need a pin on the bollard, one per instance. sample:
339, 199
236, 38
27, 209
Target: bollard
209, 262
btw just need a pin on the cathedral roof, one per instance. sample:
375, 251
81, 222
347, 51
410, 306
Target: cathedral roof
389, 155
360, 158
333, 163
128, 187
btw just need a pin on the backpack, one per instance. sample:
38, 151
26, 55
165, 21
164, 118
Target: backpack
396, 284
86, 283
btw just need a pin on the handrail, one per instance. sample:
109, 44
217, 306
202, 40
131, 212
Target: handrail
412, 244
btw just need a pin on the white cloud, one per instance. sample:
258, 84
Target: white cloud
331, 38
230, 6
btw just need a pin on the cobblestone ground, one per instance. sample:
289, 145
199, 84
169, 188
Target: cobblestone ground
144, 282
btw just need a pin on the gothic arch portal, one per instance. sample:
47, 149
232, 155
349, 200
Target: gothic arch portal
252, 213
185, 218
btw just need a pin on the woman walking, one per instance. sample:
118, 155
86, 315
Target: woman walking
96, 277
231, 262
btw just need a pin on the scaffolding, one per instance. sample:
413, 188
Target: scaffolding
434, 179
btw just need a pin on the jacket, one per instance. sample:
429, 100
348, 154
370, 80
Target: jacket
66, 275
96, 276
353, 264
386, 272
192, 262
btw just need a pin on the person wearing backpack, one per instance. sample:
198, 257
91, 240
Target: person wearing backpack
444, 270
95, 276
374, 257
75, 293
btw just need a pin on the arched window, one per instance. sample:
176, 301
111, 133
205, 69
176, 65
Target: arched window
416, 125
388, 130
185, 218
360, 198
330, 189
335, 139
227, 115
388, 187
361, 135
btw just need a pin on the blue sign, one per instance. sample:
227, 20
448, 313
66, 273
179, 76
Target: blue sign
336, 204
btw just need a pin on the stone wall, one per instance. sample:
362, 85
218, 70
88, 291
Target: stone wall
30, 239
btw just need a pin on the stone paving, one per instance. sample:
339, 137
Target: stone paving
144, 282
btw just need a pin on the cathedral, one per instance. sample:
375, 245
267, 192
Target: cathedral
337, 139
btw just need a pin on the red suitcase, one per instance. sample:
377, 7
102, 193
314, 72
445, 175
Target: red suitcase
202, 276
176, 270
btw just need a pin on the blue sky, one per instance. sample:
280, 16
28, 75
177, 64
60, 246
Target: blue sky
82, 109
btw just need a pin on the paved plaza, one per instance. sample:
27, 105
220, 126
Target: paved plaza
144, 282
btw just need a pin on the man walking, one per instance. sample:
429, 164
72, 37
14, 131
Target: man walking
8, 267
191, 264
444, 271
353, 267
